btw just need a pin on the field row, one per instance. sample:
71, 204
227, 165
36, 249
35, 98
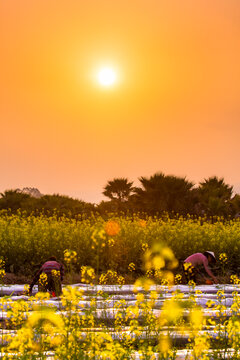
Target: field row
131, 322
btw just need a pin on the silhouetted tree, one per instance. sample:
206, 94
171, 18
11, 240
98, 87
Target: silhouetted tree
14, 200
214, 196
64, 205
106, 207
161, 193
47, 204
235, 206
118, 189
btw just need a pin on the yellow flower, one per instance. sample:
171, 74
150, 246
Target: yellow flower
44, 316
196, 318
223, 258
111, 277
178, 279
187, 266
158, 262
164, 345
167, 278
144, 246
234, 279
43, 279
140, 297
131, 267
42, 296
111, 242
158, 274
55, 274
149, 273
87, 274
2, 273
201, 345
2, 263
153, 295
191, 283
145, 283
70, 256
171, 312
210, 303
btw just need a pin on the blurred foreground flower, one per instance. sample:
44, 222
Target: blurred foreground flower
161, 260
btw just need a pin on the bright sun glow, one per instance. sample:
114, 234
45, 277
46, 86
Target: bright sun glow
106, 76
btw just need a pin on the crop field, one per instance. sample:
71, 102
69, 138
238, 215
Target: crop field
122, 322
155, 317
112, 244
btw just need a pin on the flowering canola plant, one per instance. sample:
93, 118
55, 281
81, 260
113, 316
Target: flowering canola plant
105, 326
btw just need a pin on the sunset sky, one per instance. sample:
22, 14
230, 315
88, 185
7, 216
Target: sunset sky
174, 107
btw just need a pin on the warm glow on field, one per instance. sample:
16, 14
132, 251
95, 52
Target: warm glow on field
106, 76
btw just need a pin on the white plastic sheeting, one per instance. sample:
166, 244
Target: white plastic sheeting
106, 307
128, 289
180, 355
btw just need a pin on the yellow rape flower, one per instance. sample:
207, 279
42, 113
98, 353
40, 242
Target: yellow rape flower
70, 256
178, 279
131, 267
87, 274
223, 258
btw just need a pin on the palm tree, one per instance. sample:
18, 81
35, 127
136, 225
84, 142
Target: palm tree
214, 196
118, 189
161, 193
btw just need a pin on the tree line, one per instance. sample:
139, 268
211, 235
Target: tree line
162, 193
156, 195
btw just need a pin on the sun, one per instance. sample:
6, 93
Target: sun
107, 76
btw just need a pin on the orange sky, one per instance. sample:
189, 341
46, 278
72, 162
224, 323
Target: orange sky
174, 109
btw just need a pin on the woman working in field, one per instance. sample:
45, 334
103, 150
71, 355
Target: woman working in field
49, 277
195, 263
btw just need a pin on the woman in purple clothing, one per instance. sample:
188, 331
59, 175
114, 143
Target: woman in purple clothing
195, 262
54, 275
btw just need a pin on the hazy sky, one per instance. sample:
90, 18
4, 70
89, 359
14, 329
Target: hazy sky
175, 106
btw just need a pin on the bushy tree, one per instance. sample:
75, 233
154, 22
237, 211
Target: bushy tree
47, 204
235, 206
214, 196
14, 200
64, 205
161, 193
